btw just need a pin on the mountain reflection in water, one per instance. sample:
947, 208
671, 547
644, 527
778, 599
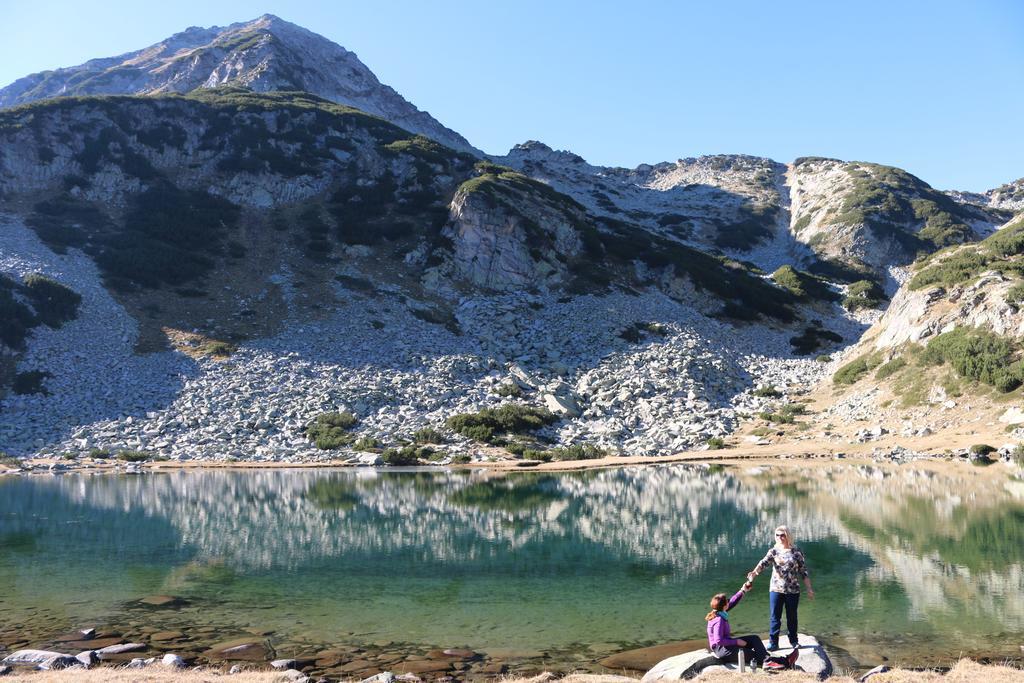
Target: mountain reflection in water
605, 556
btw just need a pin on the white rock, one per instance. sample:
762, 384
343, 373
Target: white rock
30, 657
173, 661
1013, 415
87, 658
283, 663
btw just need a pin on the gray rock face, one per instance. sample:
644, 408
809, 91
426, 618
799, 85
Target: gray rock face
497, 247
265, 54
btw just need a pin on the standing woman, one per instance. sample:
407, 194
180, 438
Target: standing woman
788, 567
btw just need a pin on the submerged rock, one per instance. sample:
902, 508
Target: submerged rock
120, 649
642, 659
31, 657
243, 649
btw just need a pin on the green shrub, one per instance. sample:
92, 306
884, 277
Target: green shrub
753, 224
793, 409
406, 456
855, 369
786, 414
428, 435
65, 222
511, 418
889, 369
30, 382
128, 455
366, 444
509, 390
54, 303
1015, 294
574, 452
329, 431
767, 391
16, 319
461, 459
812, 339
99, 453
9, 461
804, 286
982, 449
1017, 455
977, 355
477, 432
863, 294
170, 236
823, 358
949, 270
715, 443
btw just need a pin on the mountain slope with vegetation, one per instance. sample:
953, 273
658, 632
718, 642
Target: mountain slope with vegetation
207, 226
266, 54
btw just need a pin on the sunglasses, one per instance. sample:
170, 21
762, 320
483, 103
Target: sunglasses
780, 535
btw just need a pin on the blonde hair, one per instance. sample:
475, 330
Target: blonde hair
718, 603
789, 536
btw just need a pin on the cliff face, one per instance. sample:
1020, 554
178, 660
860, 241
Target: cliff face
877, 216
265, 55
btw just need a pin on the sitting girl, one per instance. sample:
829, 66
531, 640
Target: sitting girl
720, 640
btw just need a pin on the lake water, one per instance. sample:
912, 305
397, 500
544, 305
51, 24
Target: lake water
907, 563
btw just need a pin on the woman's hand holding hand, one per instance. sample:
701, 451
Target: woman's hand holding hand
747, 587
751, 576
810, 593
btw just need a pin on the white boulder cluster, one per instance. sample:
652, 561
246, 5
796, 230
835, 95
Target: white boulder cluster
679, 385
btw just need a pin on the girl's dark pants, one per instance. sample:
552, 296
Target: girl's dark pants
776, 602
755, 652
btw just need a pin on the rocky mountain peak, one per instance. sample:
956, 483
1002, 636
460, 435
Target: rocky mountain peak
265, 54
537, 152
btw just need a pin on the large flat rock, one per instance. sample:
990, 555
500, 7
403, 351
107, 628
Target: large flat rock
642, 659
813, 659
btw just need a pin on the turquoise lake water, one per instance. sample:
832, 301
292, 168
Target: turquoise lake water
904, 561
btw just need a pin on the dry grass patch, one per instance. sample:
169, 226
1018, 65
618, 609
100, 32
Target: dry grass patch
965, 671
198, 345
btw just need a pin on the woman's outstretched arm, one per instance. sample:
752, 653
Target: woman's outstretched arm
765, 563
734, 600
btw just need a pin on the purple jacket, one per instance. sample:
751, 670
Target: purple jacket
718, 628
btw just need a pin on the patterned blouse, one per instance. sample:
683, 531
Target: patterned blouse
788, 567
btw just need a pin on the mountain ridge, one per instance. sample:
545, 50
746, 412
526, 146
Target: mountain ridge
265, 54
221, 237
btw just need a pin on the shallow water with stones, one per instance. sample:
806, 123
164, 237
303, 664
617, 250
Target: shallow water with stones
531, 570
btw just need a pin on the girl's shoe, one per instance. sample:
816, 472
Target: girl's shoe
792, 657
773, 646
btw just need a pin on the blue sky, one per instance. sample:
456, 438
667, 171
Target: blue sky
934, 87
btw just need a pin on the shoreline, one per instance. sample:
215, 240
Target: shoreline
768, 455
142, 650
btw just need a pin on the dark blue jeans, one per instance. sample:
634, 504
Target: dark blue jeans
776, 601
755, 653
